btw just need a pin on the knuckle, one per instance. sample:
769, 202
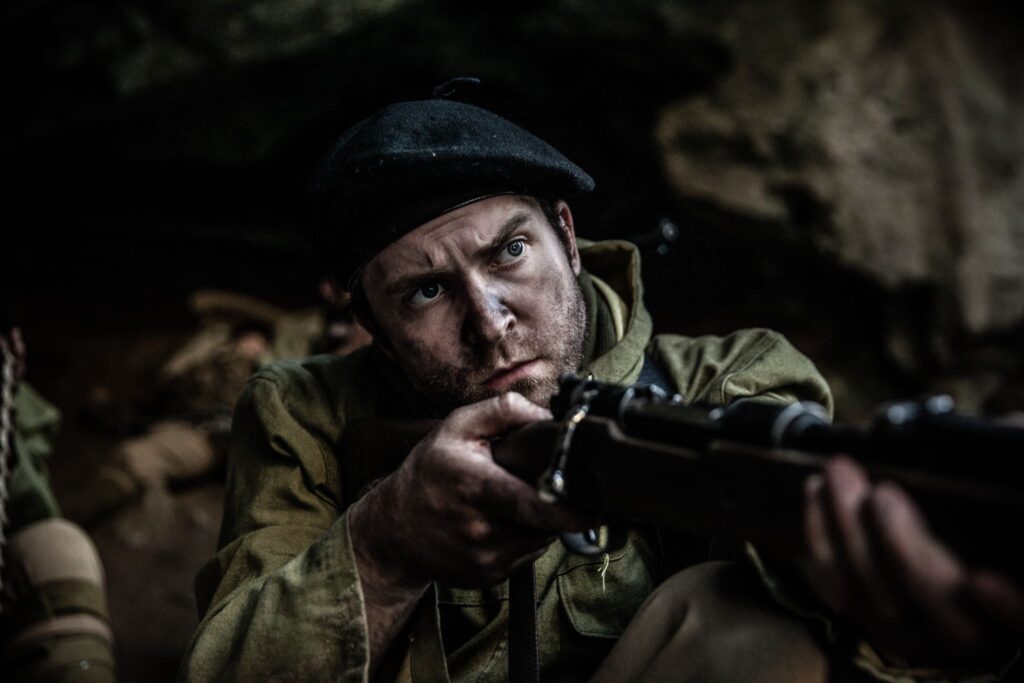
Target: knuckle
431, 443
507, 402
458, 412
444, 432
478, 530
456, 418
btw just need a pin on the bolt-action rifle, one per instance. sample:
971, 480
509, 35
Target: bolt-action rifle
635, 454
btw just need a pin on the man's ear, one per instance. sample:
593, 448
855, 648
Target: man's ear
568, 228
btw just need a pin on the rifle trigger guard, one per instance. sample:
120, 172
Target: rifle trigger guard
592, 542
553, 486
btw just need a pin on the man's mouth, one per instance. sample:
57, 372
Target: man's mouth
504, 377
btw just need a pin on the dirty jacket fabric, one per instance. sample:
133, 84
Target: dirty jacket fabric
36, 423
282, 600
28, 605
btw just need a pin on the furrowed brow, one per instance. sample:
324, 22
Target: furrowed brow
517, 221
404, 284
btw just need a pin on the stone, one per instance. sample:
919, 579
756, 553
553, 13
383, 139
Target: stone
889, 139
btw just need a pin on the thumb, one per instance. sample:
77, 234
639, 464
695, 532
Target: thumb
495, 416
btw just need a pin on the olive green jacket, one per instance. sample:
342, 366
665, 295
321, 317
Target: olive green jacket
282, 601
30, 605
36, 423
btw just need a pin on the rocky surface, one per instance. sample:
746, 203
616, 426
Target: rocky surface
890, 140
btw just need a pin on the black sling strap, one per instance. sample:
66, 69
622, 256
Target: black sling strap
523, 655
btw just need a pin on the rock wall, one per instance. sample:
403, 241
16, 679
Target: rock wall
889, 139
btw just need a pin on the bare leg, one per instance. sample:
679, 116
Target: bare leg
56, 615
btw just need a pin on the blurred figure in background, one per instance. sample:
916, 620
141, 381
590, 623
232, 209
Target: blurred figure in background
54, 624
190, 409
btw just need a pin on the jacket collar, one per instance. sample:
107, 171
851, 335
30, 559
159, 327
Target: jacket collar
614, 266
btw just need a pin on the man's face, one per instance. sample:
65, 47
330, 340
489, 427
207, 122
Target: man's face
481, 301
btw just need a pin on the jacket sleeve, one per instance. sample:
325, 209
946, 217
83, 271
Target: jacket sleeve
281, 598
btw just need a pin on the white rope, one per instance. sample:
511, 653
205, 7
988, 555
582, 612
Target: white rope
7, 382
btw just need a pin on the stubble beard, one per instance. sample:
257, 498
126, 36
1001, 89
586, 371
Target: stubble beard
561, 345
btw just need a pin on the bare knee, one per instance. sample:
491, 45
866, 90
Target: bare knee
718, 624
58, 605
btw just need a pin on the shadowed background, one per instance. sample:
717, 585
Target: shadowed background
850, 173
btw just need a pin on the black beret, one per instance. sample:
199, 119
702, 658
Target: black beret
413, 161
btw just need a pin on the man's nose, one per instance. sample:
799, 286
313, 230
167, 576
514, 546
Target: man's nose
488, 318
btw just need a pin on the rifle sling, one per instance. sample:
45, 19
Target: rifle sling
523, 657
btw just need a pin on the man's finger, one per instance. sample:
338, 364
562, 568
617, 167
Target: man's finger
822, 573
869, 594
922, 568
495, 416
845, 490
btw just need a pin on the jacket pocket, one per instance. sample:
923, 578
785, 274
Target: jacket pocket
602, 606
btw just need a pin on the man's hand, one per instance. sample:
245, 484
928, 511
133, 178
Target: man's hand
873, 559
450, 514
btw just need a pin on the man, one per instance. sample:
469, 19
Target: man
54, 624
195, 391
449, 226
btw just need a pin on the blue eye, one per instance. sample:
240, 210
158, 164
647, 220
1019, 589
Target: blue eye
427, 292
511, 251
